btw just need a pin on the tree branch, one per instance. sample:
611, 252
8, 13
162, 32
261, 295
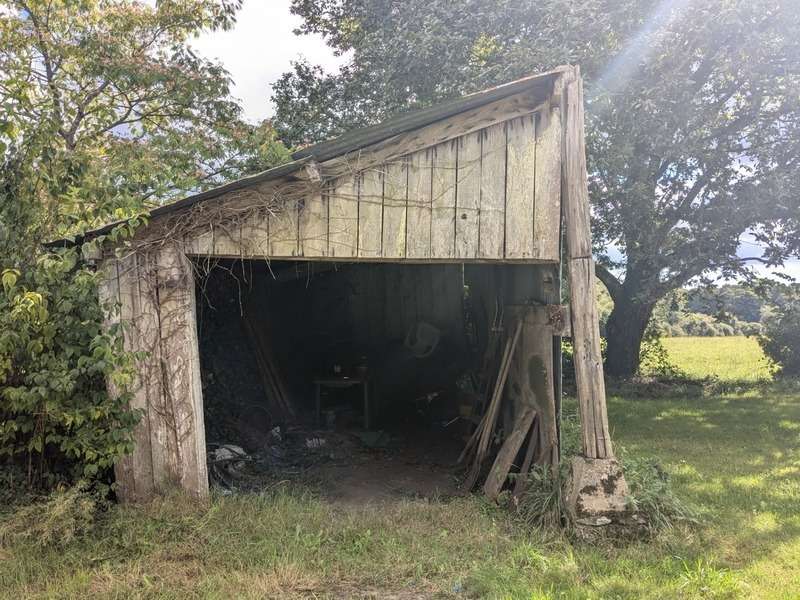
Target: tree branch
609, 280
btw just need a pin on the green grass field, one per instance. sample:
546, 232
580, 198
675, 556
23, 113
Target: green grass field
727, 358
735, 453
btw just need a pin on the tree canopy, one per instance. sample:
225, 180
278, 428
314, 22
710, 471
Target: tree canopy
106, 100
692, 117
104, 111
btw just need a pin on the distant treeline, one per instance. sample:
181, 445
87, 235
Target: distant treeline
722, 311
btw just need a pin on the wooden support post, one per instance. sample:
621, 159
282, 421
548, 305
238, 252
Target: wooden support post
155, 296
180, 361
585, 324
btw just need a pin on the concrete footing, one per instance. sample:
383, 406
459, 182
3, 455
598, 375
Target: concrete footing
598, 498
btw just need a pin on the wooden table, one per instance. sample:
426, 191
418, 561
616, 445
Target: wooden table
341, 383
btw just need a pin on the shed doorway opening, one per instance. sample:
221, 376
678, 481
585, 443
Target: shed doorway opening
356, 378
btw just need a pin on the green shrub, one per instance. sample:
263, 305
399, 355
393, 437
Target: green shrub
780, 336
57, 419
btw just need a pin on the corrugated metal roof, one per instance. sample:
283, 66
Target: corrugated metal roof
349, 142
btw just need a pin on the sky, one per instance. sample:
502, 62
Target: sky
259, 49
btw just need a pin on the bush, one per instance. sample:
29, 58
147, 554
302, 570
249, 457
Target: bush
780, 337
57, 419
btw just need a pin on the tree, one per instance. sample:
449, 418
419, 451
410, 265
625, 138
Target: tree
104, 112
114, 108
780, 338
693, 116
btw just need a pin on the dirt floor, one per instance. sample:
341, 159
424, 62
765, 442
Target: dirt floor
352, 467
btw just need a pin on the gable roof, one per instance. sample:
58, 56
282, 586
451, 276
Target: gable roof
346, 143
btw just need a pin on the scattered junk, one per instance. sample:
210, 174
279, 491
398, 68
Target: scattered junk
404, 278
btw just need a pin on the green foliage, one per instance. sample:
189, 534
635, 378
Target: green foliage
114, 109
543, 504
55, 357
105, 112
780, 338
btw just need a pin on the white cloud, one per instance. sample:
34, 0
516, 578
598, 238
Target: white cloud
259, 49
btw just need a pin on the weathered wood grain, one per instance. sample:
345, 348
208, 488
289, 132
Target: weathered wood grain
370, 214
443, 199
520, 177
314, 226
585, 324
468, 196
343, 218
283, 230
255, 235
493, 190
418, 232
431, 135
508, 451
109, 296
395, 190
547, 213
182, 392
136, 312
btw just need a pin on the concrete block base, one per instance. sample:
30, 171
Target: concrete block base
598, 497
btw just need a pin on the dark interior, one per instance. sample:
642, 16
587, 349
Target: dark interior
412, 332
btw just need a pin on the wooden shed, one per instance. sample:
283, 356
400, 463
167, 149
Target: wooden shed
486, 193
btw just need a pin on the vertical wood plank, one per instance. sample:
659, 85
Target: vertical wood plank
202, 241
583, 310
180, 363
163, 446
418, 234
443, 199
395, 194
468, 195
134, 314
547, 210
493, 189
109, 297
314, 226
520, 178
283, 230
227, 239
343, 217
255, 235
370, 214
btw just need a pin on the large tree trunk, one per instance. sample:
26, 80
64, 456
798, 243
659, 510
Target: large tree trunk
624, 332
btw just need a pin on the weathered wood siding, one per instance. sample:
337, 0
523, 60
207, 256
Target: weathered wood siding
154, 295
489, 192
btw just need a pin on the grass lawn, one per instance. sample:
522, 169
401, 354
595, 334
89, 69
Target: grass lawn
728, 358
734, 452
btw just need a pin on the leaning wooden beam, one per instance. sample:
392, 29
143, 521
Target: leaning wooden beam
585, 324
522, 476
487, 424
508, 452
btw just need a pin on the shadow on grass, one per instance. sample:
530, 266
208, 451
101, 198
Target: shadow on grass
732, 447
